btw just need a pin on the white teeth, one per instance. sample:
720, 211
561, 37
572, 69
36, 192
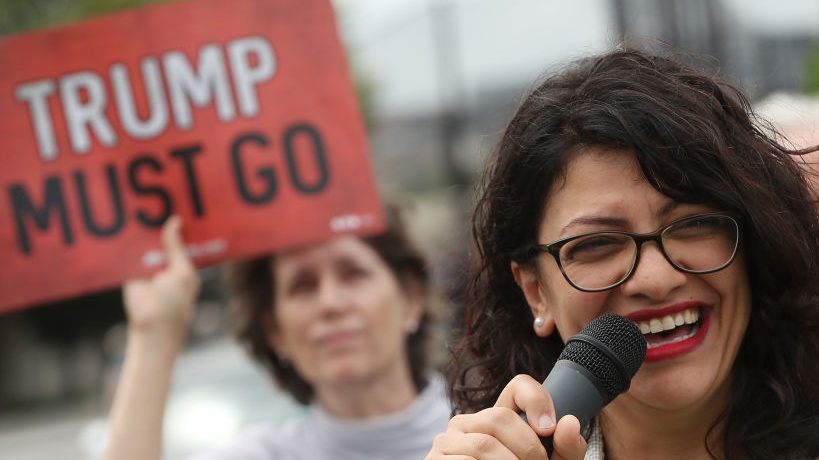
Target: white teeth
674, 340
679, 319
669, 322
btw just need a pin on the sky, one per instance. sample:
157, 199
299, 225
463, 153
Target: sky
776, 16
496, 44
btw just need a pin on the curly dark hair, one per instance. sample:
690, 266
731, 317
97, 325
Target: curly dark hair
696, 140
252, 285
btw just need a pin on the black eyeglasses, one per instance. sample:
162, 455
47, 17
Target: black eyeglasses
596, 261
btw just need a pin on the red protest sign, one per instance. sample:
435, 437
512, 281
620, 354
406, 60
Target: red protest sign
240, 116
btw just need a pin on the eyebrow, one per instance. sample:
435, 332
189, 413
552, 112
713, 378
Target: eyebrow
614, 222
602, 221
668, 207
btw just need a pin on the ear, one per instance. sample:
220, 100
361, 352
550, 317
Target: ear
529, 283
271, 332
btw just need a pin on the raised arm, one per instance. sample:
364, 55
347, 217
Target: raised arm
159, 311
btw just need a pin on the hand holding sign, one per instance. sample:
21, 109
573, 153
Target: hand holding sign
163, 304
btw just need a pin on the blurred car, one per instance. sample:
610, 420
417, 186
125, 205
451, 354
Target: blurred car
217, 391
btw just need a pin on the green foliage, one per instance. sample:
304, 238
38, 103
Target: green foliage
90, 8
366, 90
23, 15
812, 71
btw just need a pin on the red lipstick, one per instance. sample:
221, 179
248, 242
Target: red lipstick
670, 348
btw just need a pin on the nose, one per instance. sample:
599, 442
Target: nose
330, 294
654, 276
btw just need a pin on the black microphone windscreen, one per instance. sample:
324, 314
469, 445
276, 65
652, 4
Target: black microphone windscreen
612, 348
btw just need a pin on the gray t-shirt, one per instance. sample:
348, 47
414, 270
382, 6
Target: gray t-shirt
406, 435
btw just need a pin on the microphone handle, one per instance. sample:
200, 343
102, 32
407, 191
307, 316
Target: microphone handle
574, 390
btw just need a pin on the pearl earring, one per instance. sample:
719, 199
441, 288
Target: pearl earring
411, 327
283, 359
539, 322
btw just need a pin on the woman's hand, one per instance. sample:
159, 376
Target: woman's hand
501, 433
163, 304
159, 312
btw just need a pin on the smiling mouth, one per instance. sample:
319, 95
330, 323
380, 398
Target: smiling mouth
672, 328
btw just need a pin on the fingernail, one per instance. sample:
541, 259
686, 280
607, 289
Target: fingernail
545, 422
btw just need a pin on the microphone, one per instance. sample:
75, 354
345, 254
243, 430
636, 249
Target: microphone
595, 366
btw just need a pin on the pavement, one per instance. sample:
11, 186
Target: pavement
47, 433
217, 392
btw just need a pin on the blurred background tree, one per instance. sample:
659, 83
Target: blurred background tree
22, 15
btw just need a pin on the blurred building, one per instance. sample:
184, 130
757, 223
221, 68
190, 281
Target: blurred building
488, 55
761, 45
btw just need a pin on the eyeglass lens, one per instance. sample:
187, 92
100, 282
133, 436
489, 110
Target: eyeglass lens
698, 244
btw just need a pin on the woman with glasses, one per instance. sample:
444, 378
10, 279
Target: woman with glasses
633, 183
